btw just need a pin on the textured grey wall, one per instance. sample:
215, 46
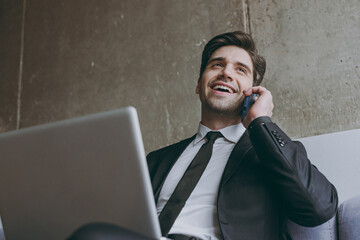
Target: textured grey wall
62, 59
10, 42
312, 48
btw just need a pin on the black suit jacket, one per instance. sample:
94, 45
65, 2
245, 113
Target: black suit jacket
267, 178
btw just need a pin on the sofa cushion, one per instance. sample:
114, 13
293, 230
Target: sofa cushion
326, 231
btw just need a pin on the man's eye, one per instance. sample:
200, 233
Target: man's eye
216, 65
242, 70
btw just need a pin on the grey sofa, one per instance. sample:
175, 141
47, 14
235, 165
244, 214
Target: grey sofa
345, 225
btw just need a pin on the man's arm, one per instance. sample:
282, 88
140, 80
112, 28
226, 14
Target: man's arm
308, 197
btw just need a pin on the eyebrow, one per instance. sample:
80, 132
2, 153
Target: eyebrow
221, 59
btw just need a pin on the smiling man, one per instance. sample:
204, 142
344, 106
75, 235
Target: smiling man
233, 179
253, 176
228, 72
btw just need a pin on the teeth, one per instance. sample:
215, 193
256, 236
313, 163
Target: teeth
222, 87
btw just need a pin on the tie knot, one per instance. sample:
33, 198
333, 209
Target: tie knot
212, 136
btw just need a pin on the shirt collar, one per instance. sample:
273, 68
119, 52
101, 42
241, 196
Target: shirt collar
231, 133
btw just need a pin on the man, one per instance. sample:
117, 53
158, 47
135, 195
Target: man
257, 176
252, 176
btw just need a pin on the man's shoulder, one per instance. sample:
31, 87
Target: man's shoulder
167, 155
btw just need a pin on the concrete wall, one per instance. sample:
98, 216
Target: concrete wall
81, 57
62, 59
312, 48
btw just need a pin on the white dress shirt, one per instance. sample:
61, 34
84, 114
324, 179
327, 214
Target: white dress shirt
198, 218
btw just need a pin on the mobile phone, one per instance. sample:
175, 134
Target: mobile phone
248, 102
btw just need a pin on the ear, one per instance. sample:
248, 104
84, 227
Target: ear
197, 90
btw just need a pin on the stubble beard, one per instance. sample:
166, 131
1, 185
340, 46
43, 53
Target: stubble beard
223, 106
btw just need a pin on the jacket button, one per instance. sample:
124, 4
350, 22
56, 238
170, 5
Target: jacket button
275, 133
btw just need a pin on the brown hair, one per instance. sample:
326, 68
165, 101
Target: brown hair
239, 39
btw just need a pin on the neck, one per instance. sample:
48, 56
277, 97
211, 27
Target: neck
216, 121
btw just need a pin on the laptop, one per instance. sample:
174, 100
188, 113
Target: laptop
59, 176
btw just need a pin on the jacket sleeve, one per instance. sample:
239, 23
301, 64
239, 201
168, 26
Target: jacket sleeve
309, 199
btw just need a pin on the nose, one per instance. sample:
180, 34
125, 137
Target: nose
227, 73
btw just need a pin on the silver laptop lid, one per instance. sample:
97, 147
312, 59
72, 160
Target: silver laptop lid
56, 177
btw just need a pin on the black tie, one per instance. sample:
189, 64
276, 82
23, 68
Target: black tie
187, 184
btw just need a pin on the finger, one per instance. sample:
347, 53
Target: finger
247, 92
257, 90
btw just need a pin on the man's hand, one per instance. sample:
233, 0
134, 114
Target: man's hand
263, 106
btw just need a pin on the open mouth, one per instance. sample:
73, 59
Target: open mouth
222, 88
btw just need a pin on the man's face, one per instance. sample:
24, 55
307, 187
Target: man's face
228, 72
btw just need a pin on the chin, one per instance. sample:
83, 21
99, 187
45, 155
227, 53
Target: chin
223, 108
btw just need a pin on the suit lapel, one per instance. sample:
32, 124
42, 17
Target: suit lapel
236, 157
174, 152
168, 162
